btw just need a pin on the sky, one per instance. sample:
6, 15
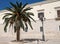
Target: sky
5, 3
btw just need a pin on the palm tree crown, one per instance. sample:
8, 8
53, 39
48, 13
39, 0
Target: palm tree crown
18, 16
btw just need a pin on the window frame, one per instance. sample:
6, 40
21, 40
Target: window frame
41, 11
57, 8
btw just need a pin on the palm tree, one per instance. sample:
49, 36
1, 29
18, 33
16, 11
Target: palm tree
18, 18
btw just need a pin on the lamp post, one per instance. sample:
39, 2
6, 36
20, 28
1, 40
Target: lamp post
41, 17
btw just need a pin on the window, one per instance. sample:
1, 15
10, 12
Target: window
39, 14
58, 13
41, 29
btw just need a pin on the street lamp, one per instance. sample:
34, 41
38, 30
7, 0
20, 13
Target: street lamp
41, 17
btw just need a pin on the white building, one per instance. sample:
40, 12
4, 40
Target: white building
50, 10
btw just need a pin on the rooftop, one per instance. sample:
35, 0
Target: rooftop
43, 2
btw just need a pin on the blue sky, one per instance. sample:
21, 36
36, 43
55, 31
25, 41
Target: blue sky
5, 3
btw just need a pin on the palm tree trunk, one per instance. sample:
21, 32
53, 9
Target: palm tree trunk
18, 34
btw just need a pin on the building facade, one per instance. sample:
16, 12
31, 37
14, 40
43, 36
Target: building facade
51, 12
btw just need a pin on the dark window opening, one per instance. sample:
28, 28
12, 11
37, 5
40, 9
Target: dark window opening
41, 29
39, 14
58, 13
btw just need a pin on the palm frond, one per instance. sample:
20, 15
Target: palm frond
6, 24
17, 4
6, 19
5, 28
22, 25
32, 18
6, 15
10, 25
30, 13
13, 5
15, 29
28, 16
26, 28
26, 9
10, 9
29, 22
25, 5
20, 5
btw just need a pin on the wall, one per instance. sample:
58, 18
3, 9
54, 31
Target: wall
49, 10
